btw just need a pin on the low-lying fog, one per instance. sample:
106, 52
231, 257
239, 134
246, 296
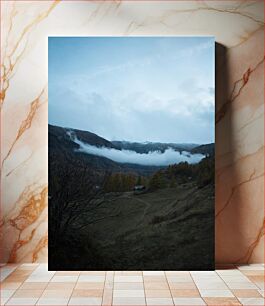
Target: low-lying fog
155, 158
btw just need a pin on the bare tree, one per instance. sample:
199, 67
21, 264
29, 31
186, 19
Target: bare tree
73, 195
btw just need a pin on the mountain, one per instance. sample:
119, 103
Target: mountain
63, 147
139, 147
63, 134
62, 154
207, 149
146, 147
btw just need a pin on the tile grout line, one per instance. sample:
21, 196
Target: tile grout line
15, 290
197, 288
112, 289
44, 288
169, 288
145, 298
73, 288
102, 296
216, 274
112, 294
236, 268
114, 274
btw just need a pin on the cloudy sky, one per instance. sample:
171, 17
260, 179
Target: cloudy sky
135, 89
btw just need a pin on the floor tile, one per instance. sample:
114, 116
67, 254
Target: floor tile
188, 301
261, 292
253, 272
251, 301
153, 273
64, 279
89, 285
9, 285
110, 273
21, 272
42, 272
154, 278
33, 283
182, 293
202, 273
39, 278
218, 301
3, 300
67, 273
212, 285
107, 297
260, 285
43, 266
22, 301
182, 286
56, 294
156, 285
256, 278
216, 293
129, 286
159, 301
16, 278
85, 301
29, 266
250, 267
128, 279
109, 284
87, 293
157, 293
235, 279
31, 293
232, 272
179, 278
7, 293
128, 273
176, 273
128, 293
6, 271
91, 278
246, 293
53, 301
128, 301
96, 273
60, 286
241, 285
32, 286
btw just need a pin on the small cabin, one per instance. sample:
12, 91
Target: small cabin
138, 187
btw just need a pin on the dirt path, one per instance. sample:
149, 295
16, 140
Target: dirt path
148, 205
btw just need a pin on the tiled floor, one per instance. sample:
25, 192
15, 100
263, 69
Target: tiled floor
33, 284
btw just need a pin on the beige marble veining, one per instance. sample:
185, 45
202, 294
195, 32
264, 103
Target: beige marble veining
240, 155
238, 26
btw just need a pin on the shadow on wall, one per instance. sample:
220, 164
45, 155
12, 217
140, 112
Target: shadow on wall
225, 145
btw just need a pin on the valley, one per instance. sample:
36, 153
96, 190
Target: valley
97, 221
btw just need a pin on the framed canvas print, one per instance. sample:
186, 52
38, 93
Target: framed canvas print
131, 153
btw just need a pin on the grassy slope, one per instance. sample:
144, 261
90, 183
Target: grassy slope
169, 229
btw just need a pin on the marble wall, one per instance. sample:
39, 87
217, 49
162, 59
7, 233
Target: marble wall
238, 27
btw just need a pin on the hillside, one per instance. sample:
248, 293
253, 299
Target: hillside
62, 152
62, 135
152, 146
97, 221
126, 231
207, 149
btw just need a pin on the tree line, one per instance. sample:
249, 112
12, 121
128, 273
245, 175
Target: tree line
201, 173
121, 182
